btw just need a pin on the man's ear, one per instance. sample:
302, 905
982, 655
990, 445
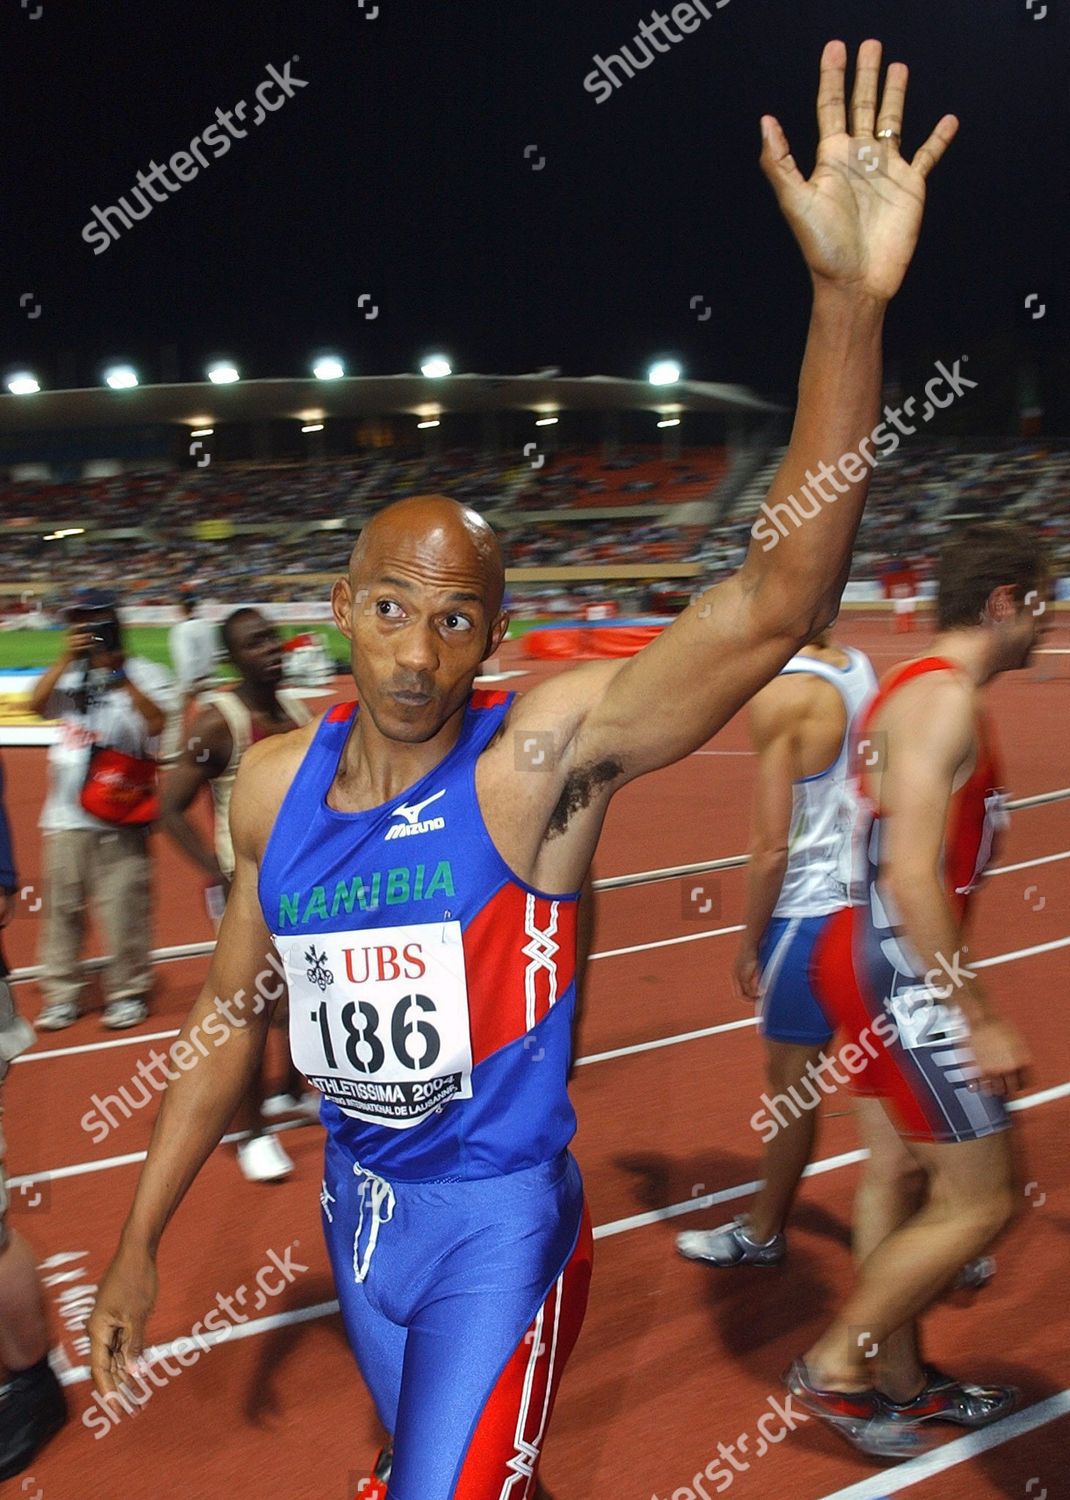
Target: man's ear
496, 635
342, 606
1001, 604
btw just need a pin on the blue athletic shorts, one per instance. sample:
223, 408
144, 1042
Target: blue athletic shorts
789, 1011
462, 1302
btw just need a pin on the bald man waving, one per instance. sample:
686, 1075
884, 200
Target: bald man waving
411, 867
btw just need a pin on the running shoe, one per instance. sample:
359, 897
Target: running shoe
33, 1408
376, 1487
862, 1417
263, 1160
945, 1399
122, 1014
730, 1245
57, 1015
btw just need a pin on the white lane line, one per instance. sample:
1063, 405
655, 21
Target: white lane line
691, 937
815, 1169
77, 1374
958, 1451
129, 1041
1006, 958
665, 1041
106, 1163
121, 1041
725, 1195
603, 1231
1029, 864
686, 1036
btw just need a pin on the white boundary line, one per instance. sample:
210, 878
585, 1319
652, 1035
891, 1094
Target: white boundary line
1028, 864
959, 1451
815, 1169
106, 1163
121, 1041
1006, 958
602, 1232
184, 951
690, 937
665, 1041
684, 1036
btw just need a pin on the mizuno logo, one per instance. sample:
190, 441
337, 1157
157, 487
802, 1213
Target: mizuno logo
413, 823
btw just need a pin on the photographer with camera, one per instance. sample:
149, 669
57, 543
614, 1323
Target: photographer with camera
101, 801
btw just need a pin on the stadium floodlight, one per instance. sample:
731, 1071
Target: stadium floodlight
546, 422
223, 373
330, 367
121, 377
664, 372
669, 422
312, 427
435, 366
22, 384
431, 422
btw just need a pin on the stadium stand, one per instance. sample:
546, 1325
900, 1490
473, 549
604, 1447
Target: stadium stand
265, 533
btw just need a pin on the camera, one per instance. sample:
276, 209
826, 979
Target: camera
106, 635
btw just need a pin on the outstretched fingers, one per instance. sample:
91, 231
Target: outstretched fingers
927, 156
866, 87
894, 102
832, 91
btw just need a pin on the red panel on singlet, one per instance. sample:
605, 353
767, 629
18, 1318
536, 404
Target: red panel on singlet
973, 815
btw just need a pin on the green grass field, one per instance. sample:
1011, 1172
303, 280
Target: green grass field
39, 648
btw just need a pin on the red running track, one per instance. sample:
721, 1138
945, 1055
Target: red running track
674, 1358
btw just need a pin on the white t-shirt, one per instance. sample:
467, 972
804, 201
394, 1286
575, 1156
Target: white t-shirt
110, 718
193, 647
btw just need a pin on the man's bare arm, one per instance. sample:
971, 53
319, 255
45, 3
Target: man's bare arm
856, 221
206, 756
222, 1042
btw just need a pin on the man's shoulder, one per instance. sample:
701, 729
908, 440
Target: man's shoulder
265, 774
274, 760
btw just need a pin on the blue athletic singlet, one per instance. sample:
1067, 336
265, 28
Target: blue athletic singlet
431, 1002
431, 991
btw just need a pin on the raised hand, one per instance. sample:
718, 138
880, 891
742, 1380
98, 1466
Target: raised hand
857, 218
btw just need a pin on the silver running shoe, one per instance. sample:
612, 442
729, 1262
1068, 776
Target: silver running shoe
945, 1399
730, 1246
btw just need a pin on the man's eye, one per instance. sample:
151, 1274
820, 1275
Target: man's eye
458, 622
388, 608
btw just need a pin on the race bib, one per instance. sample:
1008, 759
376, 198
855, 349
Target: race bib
379, 1019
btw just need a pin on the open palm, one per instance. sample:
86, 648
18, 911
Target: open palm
857, 218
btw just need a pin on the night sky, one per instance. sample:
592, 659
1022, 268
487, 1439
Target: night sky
403, 171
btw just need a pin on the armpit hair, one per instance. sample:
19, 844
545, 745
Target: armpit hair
578, 792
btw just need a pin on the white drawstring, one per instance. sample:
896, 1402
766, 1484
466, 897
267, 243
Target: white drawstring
381, 1192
